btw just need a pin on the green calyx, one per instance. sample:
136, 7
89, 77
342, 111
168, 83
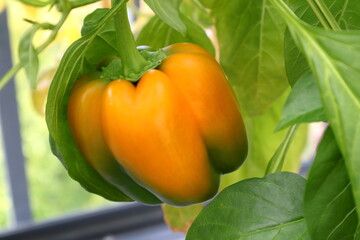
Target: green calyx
115, 69
133, 62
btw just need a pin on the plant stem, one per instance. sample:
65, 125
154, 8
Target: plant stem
319, 14
277, 161
328, 16
7, 77
76, 4
53, 33
132, 61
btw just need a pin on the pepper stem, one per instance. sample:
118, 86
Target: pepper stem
132, 61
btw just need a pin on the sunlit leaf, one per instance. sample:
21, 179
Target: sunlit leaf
258, 208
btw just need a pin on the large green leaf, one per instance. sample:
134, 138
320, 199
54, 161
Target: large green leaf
158, 34
169, 12
334, 58
303, 104
257, 209
56, 116
103, 46
329, 204
344, 13
263, 142
251, 39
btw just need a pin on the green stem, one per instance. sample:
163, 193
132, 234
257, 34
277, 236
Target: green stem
76, 4
17, 67
53, 33
319, 14
132, 61
328, 16
36, 3
7, 77
277, 161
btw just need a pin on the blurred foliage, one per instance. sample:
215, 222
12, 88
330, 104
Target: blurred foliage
52, 191
179, 219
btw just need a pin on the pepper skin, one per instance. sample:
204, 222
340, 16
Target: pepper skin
84, 115
153, 133
174, 132
202, 82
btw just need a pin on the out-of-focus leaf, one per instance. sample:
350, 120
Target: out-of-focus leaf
179, 219
28, 55
196, 12
157, 34
36, 3
39, 94
251, 40
263, 142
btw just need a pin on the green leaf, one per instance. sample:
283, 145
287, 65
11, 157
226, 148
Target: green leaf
196, 12
343, 11
251, 40
303, 104
276, 162
28, 56
157, 34
103, 46
62, 141
258, 208
169, 12
264, 142
334, 58
92, 20
329, 204
179, 219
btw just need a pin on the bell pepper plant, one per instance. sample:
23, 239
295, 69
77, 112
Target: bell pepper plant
152, 114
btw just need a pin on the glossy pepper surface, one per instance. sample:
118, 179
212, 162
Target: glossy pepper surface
172, 134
